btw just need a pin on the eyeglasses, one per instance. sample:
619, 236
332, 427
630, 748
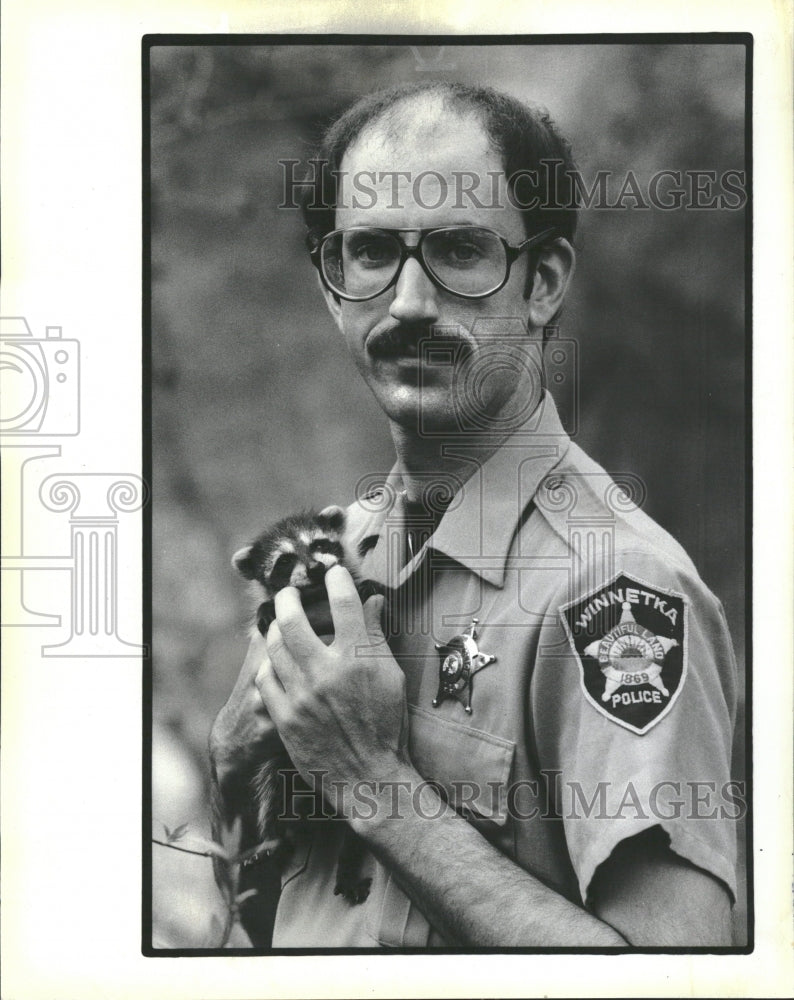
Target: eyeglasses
470, 261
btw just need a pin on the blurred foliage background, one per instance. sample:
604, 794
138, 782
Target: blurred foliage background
257, 409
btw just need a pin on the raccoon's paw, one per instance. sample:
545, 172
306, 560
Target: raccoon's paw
270, 850
355, 892
369, 588
265, 616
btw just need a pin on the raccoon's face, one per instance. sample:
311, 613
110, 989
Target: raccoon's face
302, 560
296, 552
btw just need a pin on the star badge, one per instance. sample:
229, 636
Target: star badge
460, 660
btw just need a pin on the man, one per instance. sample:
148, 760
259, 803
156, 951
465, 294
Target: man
525, 779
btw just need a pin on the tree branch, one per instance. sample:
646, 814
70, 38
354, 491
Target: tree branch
184, 850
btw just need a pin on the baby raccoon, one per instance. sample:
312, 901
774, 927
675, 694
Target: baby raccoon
297, 552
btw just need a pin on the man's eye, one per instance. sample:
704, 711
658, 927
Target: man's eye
459, 253
466, 252
367, 251
370, 251
373, 253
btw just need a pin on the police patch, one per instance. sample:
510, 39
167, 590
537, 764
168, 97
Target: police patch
630, 640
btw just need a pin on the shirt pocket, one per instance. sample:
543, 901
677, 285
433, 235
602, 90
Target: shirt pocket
471, 766
472, 769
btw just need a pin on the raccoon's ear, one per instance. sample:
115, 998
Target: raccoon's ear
243, 563
332, 519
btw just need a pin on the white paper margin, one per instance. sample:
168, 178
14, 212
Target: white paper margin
71, 151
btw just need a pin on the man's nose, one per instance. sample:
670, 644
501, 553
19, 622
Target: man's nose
415, 296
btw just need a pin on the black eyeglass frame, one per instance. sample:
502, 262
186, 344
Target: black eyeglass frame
511, 255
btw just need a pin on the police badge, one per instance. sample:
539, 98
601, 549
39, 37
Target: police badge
460, 660
630, 644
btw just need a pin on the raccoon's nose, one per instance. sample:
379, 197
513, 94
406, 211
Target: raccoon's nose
317, 572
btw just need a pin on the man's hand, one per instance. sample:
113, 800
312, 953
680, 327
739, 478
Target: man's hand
243, 733
339, 709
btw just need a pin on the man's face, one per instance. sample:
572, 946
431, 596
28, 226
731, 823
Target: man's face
496, 366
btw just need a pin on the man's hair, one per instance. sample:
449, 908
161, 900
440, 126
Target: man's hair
534, 154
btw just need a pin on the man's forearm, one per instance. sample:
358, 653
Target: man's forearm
469, 891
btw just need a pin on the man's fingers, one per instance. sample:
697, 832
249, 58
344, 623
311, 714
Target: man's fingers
294, 629
373, 611
282, 663
345, 603
257, 651
272, 692
266, 670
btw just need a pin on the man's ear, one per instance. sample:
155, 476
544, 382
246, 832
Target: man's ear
552, 276
333, 302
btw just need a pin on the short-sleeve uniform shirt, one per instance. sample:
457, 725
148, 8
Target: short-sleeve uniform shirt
609, 706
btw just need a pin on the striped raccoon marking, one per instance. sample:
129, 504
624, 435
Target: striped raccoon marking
297, 552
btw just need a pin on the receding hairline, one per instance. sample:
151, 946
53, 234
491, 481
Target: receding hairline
437, 102
518, 133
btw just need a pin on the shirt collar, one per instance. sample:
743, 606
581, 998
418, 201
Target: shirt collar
477, 528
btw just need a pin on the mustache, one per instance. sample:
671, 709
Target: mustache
402, 340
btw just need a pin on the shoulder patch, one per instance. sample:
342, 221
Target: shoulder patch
630, 641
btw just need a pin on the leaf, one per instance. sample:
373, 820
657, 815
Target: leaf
178, 833
210, 846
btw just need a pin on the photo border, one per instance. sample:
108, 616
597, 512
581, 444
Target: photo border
154, 40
